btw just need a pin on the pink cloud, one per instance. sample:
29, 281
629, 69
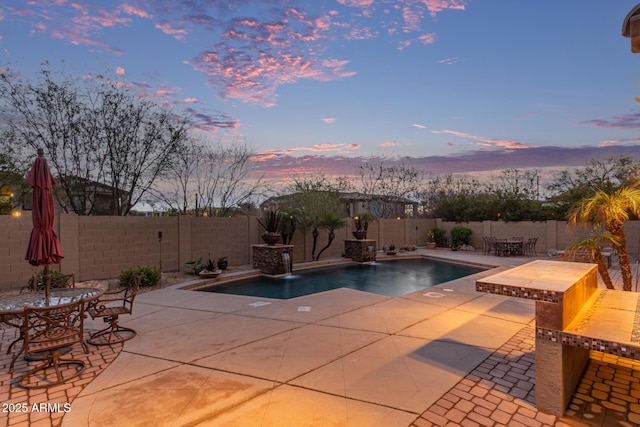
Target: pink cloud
449, 61
428, 38
334, 148
626, 121
389, 144
167, 28
356, 3
487, 142
329, 120
190, 100
120, 71
436, 6
248, 58
418, 126
132, 10
211, 122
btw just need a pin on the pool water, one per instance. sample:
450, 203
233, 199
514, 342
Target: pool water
390, 278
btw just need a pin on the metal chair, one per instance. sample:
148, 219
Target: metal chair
110, 306
37, 284
46, 331
488, 244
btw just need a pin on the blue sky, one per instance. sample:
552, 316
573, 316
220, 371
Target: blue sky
320, 85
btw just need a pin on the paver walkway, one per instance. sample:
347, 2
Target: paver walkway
226, 362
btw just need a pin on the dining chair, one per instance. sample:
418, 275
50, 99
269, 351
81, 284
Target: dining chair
36, 283
109, 307
46, 331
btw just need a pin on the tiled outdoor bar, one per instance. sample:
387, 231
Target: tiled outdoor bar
563, 291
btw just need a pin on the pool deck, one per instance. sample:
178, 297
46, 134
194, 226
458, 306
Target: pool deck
447, 355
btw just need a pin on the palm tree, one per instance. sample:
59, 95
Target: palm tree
592, 245
330, 221
610, 210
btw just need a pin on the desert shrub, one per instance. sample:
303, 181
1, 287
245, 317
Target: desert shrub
439, 236
460, 236
150, 276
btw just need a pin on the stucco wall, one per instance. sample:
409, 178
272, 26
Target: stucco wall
100, 247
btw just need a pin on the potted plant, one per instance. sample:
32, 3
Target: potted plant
431, 240
223, 263
361, 225
210, 269
271, 224
391, 249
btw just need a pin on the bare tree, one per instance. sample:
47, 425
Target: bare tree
218, 176
178, 188
224, 178
98, 137
387, 186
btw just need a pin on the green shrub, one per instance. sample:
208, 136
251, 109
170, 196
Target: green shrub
57, 279
150, 276
194, 266
439, 236
460, 236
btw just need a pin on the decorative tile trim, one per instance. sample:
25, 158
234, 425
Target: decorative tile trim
605, 346
635, 334
520, 292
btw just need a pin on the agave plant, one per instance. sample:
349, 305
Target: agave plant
271, 221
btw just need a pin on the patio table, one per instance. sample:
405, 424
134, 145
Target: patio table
12, 308
509, 247
13, 305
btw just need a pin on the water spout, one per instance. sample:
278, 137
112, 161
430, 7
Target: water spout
286, 260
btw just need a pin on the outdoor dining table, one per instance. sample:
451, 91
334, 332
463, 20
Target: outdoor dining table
509, 247
13, 305
12, 308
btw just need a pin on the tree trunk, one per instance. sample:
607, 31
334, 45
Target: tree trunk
623, 257
331, 237
315, 234
602, 269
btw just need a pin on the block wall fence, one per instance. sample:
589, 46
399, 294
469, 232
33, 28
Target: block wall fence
100, 247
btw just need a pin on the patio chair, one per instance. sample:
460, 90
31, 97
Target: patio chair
109, 307
37, 284
46, 331
501, 247
488, 244
530, 247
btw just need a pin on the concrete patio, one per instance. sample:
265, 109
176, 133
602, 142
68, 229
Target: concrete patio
446, 355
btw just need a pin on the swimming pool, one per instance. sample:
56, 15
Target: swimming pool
390, 278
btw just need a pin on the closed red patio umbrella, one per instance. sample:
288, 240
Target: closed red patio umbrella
44, 247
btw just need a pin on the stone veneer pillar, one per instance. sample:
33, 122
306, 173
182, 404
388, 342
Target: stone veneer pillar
360, 250
270, 259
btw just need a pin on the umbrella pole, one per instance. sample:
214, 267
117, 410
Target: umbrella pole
46, 278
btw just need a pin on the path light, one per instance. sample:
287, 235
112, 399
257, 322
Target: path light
631, 28
16, 214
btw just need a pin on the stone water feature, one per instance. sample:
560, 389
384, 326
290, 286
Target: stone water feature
360, 250
274, 260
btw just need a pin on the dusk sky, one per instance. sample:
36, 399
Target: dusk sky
457, 85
